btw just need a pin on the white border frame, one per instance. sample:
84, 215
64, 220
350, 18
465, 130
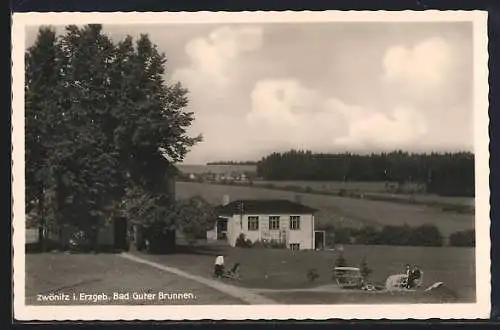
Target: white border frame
480, 309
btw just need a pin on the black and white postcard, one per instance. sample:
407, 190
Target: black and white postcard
267, 165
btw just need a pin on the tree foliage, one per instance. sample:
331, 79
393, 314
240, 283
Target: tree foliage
463, 238
194, 217
441, 173
42, 75
102, 124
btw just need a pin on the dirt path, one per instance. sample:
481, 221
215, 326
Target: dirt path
321, 288
248, 296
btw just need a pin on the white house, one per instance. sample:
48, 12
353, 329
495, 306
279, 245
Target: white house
280, 220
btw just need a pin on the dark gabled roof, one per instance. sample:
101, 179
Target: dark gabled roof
263, 206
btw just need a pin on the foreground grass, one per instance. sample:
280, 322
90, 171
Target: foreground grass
356, 297
61, 273
286, 269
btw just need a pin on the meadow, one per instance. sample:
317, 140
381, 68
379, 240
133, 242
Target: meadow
334, 209
282, 270
370, 189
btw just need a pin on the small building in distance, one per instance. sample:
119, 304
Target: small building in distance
289, 223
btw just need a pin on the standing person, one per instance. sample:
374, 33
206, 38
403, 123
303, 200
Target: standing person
219, 266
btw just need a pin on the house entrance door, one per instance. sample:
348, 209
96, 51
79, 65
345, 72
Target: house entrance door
319, 240
221, 229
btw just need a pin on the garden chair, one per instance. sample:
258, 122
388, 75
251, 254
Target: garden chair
234, 272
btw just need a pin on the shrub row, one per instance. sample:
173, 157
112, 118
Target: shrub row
424, 235
465, 238
243, 242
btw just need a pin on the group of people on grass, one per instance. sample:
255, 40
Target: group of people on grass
412, 276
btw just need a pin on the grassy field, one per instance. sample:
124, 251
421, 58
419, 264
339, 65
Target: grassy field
286, 269
334, 209
90, 274
330, 186
375, 189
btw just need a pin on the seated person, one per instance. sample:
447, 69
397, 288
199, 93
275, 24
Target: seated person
219, 267
407, 273
415, 274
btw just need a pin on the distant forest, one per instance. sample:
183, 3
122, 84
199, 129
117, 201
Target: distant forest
448, 174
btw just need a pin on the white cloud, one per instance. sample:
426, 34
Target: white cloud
287, 110
375, 129
421, 69
214, 58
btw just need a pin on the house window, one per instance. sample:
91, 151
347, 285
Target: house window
274, 222
295, 246
253, 223
294, 222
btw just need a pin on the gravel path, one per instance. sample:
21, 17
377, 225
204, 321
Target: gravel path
246, 295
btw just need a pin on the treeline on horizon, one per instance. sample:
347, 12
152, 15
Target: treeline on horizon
447, 174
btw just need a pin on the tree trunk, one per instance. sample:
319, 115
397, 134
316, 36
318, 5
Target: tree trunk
42, 221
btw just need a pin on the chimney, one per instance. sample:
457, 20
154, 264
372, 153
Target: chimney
298, 199
225, 200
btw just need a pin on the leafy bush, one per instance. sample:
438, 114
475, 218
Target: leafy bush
425, 235
342, 235
194, 216
339, 262
367, 235
312, 275
259, 244
364, 269
275, 244
243, 242
463, 238
269, 244
158, 238
395, 235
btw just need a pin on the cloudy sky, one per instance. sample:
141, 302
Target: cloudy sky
327, 87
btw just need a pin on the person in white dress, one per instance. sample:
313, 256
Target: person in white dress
219, 266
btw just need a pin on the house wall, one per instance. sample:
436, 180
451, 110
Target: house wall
303, 236
212, 234
233, 230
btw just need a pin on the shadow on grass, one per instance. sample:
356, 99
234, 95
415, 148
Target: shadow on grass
36, 247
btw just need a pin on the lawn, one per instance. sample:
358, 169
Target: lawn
334, 209
70, 274
286, 269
